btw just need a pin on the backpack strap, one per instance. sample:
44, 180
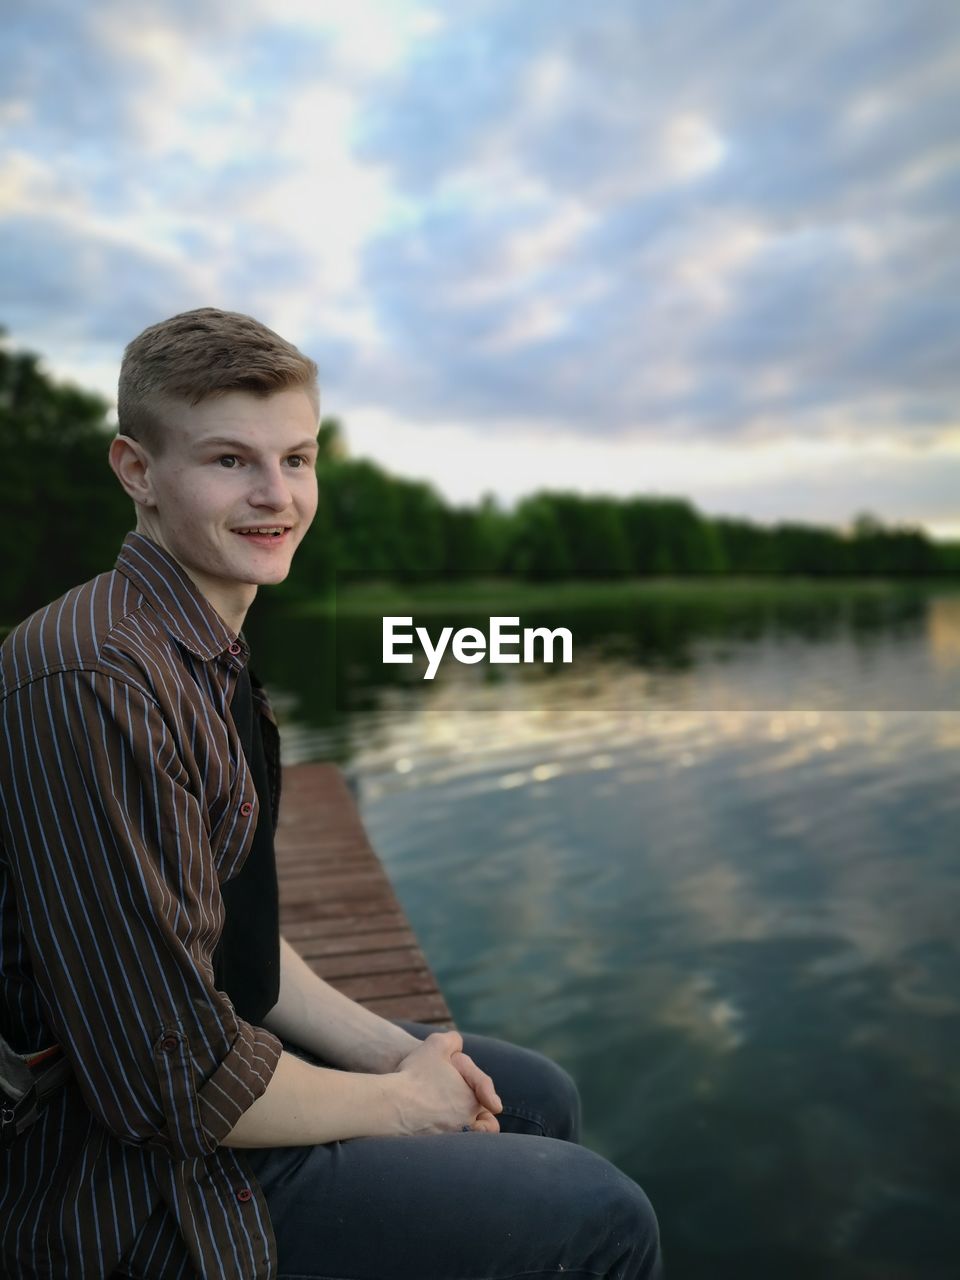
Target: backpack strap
26, 1082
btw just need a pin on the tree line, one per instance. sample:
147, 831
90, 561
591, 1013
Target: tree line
65, 516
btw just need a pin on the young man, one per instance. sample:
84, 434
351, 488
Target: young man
230, 1115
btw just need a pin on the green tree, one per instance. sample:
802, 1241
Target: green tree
593, 533
537, 549
948, 557
331, 443
668, 535
64, 511
420, 548
747, 547
810, 549
364, 517
471, 545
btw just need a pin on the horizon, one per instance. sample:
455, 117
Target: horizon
844, 528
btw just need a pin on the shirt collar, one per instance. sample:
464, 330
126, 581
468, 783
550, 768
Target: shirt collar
185, 612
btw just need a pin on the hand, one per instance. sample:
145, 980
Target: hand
435, 1096
479, 1082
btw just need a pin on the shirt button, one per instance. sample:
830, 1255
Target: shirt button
168, 1044
246, 808
244, 1194
234, 648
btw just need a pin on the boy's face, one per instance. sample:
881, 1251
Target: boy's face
238, 461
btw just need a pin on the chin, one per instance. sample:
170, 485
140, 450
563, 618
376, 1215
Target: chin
271, 577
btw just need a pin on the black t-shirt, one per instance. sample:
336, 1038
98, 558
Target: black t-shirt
246, 962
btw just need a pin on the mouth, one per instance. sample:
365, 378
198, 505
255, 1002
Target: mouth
265, 535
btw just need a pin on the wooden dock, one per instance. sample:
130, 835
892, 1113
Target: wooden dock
337, 907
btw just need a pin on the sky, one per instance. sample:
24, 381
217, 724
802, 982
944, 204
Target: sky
706, 248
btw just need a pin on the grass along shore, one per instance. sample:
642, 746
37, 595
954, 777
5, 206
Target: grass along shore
495, 595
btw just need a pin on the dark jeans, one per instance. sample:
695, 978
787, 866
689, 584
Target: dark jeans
528, 1201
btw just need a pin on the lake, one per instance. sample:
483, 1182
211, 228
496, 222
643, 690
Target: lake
711, 868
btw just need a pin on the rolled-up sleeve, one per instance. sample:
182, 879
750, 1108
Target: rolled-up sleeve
120, 905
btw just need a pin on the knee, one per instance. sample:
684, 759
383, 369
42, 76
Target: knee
562, 1102
647, 1253
630, 1228
545, 1100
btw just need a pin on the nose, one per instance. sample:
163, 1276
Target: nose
271, 489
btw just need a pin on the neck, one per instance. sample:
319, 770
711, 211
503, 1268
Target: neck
231, 601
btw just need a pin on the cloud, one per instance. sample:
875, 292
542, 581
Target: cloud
815, 479
721, 222
756, 190
199, 156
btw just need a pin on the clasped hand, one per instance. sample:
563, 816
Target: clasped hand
448, 1047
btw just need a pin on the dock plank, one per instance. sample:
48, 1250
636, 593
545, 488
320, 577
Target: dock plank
337, 906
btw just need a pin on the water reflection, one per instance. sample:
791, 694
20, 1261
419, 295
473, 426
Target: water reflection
943, 632
794, 645
722, 889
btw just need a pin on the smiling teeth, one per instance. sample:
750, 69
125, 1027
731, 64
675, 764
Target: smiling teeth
272, 529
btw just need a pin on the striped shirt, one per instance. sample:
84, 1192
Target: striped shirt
125, 802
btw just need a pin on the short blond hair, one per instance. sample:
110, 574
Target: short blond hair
197, 355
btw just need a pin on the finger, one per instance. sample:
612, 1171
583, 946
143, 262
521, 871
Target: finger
478, 1081
453, 1040
483, 1086
486, 1122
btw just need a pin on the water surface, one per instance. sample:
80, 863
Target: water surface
716, 879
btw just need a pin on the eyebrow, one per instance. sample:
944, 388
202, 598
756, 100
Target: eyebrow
221, 441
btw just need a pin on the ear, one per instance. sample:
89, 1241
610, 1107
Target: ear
131, 464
